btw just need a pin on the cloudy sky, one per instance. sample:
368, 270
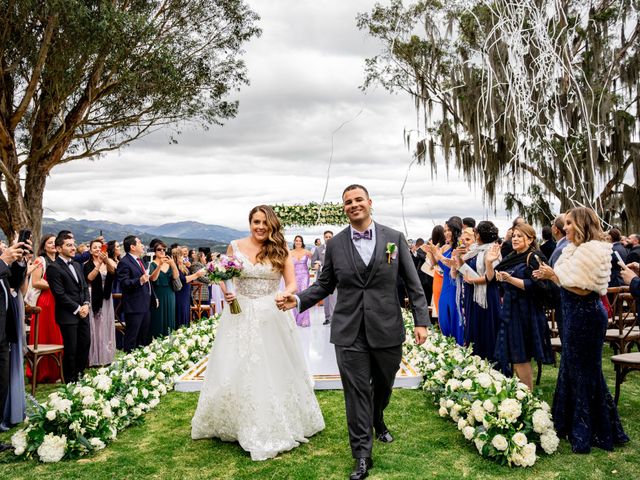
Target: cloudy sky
305, 71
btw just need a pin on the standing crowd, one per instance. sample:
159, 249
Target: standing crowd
492, 294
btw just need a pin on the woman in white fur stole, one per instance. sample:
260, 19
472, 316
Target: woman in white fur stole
583, 408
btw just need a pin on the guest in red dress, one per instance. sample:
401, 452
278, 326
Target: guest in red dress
48, 330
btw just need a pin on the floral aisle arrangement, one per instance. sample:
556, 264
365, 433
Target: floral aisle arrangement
82, 417
499, 415
224, 269
310, 214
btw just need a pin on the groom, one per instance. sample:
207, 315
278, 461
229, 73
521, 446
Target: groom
363, 262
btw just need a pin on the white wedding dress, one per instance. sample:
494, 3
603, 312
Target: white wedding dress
256, 389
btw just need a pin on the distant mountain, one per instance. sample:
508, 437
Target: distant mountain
194, 230
191, 234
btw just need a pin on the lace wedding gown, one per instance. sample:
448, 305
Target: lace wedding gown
256, 389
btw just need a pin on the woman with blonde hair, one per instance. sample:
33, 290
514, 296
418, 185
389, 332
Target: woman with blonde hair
523, 333
583, 408
256, 389
183, 296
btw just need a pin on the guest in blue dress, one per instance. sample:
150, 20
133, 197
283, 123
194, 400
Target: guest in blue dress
481, 298
583, 408
449, 318
183, 296
523, 333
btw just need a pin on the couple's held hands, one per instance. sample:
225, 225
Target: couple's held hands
286, 301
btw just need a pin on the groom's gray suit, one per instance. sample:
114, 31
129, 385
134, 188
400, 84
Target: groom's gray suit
367, 328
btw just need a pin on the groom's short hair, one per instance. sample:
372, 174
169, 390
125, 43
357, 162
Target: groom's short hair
355, 186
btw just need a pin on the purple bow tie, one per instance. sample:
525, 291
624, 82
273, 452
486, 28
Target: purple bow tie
366, 235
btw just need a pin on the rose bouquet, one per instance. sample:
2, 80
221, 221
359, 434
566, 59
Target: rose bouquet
224, 269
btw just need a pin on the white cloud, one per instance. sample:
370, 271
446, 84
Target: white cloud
305, 74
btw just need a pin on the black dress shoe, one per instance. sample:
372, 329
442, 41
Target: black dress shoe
385, 436
6, 446
326, 322
361, 468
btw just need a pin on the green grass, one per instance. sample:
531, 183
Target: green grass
426, 446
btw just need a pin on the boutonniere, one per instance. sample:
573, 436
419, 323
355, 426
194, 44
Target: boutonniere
391, 251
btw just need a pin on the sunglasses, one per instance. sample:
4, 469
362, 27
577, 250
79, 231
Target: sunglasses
161, 249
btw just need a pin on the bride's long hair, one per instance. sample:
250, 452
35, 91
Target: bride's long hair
274, 248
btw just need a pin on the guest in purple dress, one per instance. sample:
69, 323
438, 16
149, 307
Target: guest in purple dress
301, 258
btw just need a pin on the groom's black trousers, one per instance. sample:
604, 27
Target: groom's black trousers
367, 379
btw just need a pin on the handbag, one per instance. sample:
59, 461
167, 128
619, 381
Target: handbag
176, 284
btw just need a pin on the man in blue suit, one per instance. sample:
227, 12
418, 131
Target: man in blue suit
137, 294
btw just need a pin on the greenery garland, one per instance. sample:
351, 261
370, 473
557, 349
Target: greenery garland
311, 214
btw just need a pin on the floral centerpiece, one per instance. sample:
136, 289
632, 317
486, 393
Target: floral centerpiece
500, 415
224, 269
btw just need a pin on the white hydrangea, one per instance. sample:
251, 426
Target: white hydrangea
467, 384
541, 421
88, 400
90, 413
521, 395
51, 415
145, 393
114, 402
134, 392
462, 423
443, 412
458, 356
106, 411
440, 375
19, 442
449, 403
160, 376
52, 448
484, 380
143, 373
468, 432
86, 391
102, 383
154, 403
510, 409
519, 439
497, 386
61, 405
477, 411
500, 443
96, 443
128, 399
549, 441
137, 411
529, 455
545, 406
488, 405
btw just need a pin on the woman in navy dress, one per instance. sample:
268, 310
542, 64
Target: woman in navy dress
583, 408
481, 298
449, 318
523, 333
183, 296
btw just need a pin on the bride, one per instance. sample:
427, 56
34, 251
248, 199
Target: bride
256, 389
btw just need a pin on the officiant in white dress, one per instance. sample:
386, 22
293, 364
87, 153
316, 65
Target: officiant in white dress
257, 390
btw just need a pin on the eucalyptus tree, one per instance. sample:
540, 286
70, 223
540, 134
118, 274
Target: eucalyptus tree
520, 94
82, 77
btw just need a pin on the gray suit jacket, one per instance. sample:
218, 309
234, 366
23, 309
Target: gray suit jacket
373, 301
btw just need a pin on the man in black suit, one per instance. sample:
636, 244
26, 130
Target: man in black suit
137, 294
12, 271
363, 262
71, 293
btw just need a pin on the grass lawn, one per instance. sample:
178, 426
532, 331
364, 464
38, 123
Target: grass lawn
426, 446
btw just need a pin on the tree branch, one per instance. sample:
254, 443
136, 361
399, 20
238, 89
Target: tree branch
35, 75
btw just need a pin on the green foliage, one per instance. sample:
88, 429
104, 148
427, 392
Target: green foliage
79, 78
310, 214
486, 97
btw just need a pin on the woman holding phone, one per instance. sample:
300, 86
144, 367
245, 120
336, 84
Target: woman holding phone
100, 272
183, 296
163, 270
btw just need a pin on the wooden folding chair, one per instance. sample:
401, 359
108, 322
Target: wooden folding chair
36, 351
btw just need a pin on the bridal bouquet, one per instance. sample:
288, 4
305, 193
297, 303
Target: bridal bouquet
224, 269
